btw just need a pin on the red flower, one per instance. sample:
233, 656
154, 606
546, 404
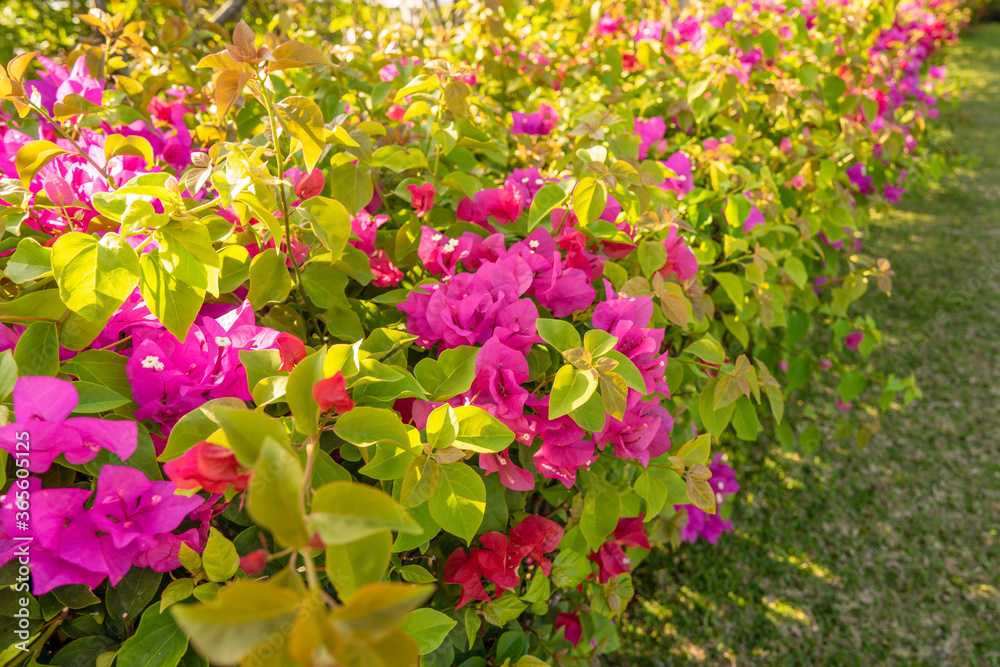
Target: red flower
463, 568
331, 392
291, 349
571, 622
611, 561
421, 198
500, 560
395, 112
211, 467
254, 562
309, 185
539, 536
631, 533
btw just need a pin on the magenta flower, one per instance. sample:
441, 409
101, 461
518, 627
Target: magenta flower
642, 434
608, 25
540, 536
569, 622
754, 219
504, 205
385, 273
853, 339
649, 132
683, 183
538, 123
649, 30
611, 561
856, 174
42, 406
511, 475
441, 254
721, 18
528, 182
680, 258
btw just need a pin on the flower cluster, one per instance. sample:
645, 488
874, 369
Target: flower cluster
499, 559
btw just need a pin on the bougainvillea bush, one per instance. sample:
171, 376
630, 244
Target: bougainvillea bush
378, 348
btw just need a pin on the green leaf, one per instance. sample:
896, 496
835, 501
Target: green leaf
570, 389
95, 398
419, 482
303, 119
365, 426
82, 652
158, 642
274, 492
270, 281
325, 286
796, 270
697, 450
343, 512
652, 256
601, 509
459, 503
450, 374
850, 387
242, 617
713, 420
422, 83
30, 261
707, 350
442, 428
589, 199
34, 155
479, 431
546, 200
560, 334
187, 253
745, 419
390, 461
628, 370
377, 608
8, 375
503, 611
570, 569
219, 559
653, 491
119, 144
174, 303
245, 432
298, 392
330, 221
196, 426
126, 599
472, 623
177, 590
428, 627
614, 392
364, 561
37, 351
351, 185
95, 276
732, 285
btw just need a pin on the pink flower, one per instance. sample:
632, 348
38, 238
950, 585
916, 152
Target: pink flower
540, 122
680, 258
683, 182
843, 405
511, 476
649, 30
42, 406
649, 132
385, 272
569, 622
421, 198
853, 339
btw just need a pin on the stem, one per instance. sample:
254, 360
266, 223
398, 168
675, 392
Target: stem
307, 475
202, 207
284, 207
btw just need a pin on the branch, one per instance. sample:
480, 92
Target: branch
228, 12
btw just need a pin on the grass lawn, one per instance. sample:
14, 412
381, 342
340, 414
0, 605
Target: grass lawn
891, 554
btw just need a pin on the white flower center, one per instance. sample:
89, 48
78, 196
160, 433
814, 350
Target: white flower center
437, 237
223, 341
539, 181
533, 244
525, 179
153, 362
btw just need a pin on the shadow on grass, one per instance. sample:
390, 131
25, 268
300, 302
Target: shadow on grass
888, 555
